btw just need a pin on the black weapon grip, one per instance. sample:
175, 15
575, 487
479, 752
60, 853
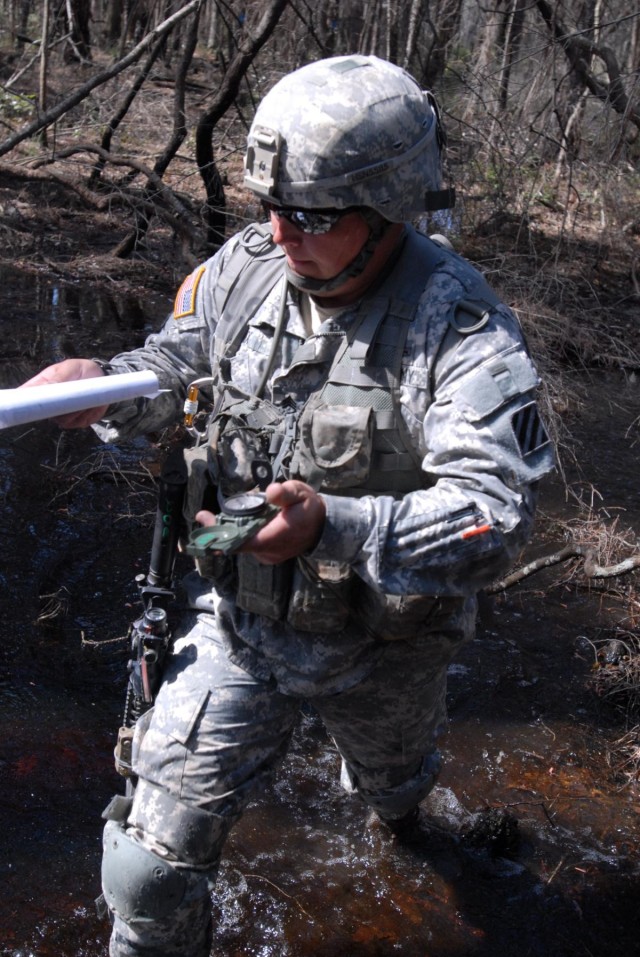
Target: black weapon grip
171, 490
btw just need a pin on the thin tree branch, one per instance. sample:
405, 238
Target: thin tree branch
141, 225
83, 92
578, 51
116, 120
162, 189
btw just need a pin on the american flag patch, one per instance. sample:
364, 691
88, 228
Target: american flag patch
529, 429
185, 304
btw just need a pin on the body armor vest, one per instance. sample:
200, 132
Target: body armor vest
349, 439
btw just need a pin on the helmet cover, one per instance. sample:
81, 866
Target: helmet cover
348, 131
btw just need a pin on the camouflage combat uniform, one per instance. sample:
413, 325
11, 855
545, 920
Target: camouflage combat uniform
233, 686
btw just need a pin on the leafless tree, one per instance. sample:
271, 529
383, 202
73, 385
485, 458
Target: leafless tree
251, 41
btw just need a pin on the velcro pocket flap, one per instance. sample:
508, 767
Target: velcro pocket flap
493, 385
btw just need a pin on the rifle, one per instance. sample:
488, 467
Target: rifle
150, 635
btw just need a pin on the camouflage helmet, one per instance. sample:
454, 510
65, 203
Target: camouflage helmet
348, 131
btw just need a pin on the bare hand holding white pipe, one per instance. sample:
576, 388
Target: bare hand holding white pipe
74, 393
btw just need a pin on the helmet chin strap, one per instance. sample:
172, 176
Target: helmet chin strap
378, 226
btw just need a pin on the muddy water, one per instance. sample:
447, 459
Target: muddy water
530, 845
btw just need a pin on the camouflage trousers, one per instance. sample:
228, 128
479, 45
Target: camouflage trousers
213, 735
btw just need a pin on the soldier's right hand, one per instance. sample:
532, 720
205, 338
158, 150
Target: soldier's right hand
70, 370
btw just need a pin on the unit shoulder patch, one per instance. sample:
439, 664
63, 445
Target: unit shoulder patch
185, 302
529, 429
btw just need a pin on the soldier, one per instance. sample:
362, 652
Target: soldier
381, 383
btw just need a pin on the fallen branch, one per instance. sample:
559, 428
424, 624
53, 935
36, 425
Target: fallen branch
163, 192
591, 568
99, 201
163, 203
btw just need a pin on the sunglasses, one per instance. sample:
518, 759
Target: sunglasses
314, 222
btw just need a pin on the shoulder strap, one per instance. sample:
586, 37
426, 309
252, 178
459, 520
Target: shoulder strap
252, 271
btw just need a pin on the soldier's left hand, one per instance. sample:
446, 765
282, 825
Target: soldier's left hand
294, 530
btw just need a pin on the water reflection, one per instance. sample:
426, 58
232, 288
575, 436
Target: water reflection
42, 322
303, 874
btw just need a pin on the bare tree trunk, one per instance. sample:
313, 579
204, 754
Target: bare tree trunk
351, 27
136, 22
442, 20
249, 46
569, 134
142, 221
579, 52
114, 23
78, 17
633, 69
21, 32
44, 65
212, 32
388, 40
327, 26
120, 114
375, 29
415, 15
487, 42
571, 96
368, 38
513, 36
633, 59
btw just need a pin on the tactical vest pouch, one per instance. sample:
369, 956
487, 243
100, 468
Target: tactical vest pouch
263, 589
320, 596
400, 617
335, 446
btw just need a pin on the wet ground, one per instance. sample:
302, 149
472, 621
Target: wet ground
530, 845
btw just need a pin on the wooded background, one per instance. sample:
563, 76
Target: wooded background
541, 99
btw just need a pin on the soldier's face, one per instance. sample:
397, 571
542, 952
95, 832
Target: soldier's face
321, 256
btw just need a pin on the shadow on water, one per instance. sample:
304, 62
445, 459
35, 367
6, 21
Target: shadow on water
528, 847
